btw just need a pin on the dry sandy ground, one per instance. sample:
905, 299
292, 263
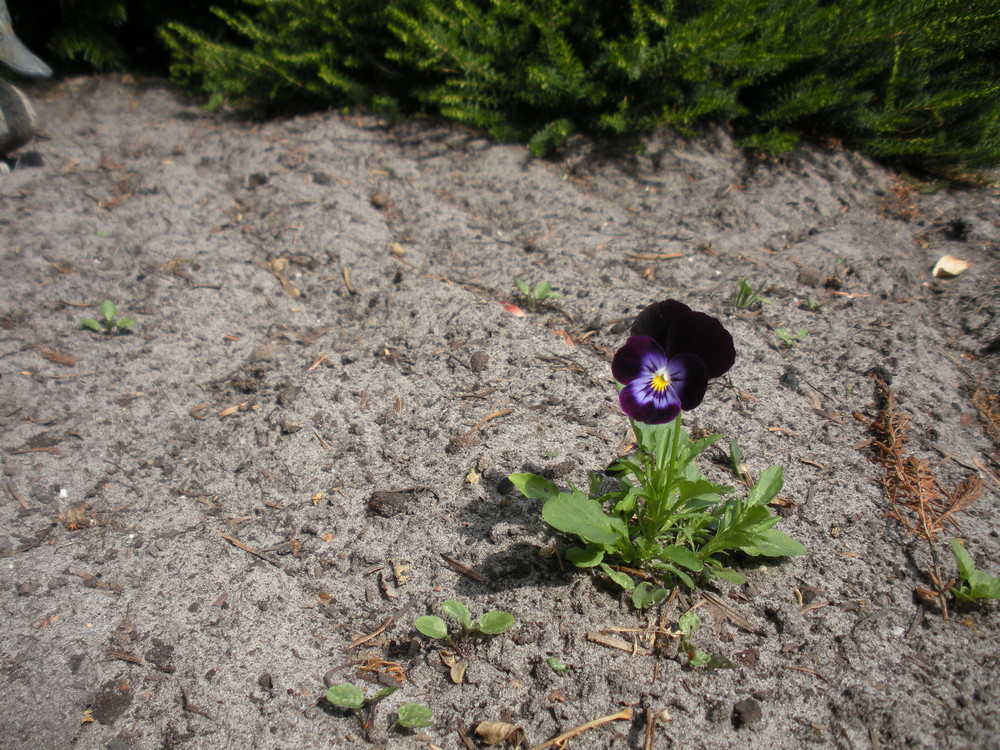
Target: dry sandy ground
324, 393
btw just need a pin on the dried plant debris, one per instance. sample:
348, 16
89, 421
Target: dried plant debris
988, 406
919, 502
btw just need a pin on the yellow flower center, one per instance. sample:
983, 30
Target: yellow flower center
660, 380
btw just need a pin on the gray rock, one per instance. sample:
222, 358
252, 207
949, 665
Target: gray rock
13, 52
17, 118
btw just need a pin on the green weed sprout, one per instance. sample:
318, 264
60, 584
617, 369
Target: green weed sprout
108, 324
746, 296
533, 297
354, 699
688, 625
414, 716
491, 623
976, 584
812, 304
788, 340
557, 665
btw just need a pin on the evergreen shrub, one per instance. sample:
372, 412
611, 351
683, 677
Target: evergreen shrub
915, 83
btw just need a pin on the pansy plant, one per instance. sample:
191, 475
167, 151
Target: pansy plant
654, 512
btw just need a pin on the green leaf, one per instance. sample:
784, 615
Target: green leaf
534, 486
689, 623
541, 290
432, 626
346, 696
681, 556
556, 665
586, 557
735, 456
414, 716
719, 661
125, 322
92, 324
700, 659
108, 310
382, 694
575, 513
693, 450
627, 505
523, 288
966, 567
984, 586
768, 486
495, 622
655, 438
702, 486
729, 575
647, 595
772, 543
457, 610
981, 585
623, 580
677, 573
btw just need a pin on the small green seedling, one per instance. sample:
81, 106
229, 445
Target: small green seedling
108, 324
353, 699
976, 584
812, 304
788, 340
746, 296
556, 665
533, 297
688, 625
491, 623
414, 716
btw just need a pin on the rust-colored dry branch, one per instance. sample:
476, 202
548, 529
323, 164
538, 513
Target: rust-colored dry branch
918, 500
374, 634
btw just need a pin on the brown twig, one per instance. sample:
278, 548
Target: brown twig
465, 570
247, 548
625, 715
484, 420
16, 495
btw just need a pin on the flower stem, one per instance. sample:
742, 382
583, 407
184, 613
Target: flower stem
660, 480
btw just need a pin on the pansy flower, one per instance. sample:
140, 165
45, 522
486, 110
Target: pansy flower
668, 360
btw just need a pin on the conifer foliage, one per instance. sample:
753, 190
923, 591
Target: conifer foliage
914, 82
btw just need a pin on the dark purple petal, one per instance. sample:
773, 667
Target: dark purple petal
657, 319
644, 404
688, 380
639, 355
678, 329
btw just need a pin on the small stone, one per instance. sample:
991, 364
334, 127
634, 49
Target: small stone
265, 681
790, 379
809, 277
479, 362
18, 120
110, 702
389, 504
746, 713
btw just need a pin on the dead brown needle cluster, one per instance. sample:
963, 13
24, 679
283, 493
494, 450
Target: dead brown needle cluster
919, 502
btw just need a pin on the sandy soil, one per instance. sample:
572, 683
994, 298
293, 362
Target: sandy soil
324, 394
